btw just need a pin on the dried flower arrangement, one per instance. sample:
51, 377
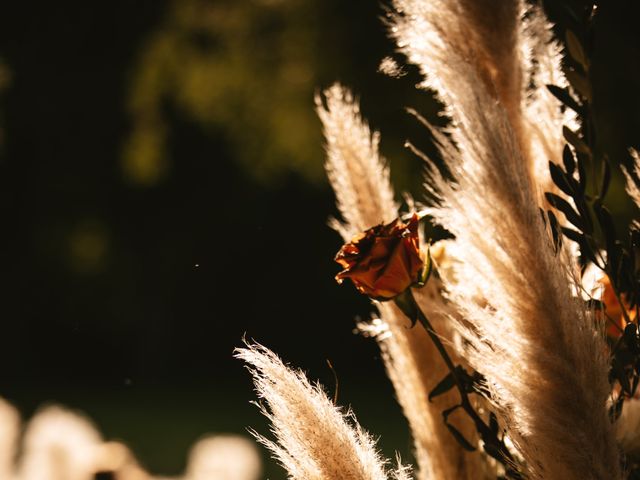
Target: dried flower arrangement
500, 324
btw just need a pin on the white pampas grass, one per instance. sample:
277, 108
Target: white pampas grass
356, 170
415, 367
360, 179
541, 353
513, 56
543, 116
315, 440
428, 32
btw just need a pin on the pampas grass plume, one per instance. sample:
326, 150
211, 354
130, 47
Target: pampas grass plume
360, 179
538, 347
315, 440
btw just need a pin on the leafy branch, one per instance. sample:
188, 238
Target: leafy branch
466, 384
592, 227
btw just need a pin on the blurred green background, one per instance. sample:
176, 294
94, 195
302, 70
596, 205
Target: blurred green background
162, 195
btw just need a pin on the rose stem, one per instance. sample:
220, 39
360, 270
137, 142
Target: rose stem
483, 429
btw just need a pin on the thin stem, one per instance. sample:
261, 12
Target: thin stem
483, 429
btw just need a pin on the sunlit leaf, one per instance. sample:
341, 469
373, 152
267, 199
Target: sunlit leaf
568, 160
565, 97
446, 384
577, 143
555, 230
560, 179
606, 177
572, 234
580, 83
464, 443
574, 46
563, 206
606, 224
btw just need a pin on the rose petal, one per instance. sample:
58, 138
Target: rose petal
383, 261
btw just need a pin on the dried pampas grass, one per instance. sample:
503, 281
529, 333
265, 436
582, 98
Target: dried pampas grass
542, 114
544, 359
315, 439
356, 170
364, 195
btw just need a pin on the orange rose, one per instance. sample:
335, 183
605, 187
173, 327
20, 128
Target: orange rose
613, 309
385, 260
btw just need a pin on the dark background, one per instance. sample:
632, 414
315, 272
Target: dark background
127, 279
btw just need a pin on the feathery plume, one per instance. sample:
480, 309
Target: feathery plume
631, 185
356, 170
512, 53
543, 357
543, 115
389, 67
315, 440
429, 32
360, 179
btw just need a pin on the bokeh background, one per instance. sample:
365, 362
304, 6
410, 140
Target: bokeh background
162, 196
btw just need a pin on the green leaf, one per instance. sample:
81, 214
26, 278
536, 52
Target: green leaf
493, 423
620, 375
568, 160
560, 179
586, 252
407, 304
572, 234
464, 443
594, 304
577, 143
580, 84
563, 206
565, 97
446, 384
576, 19
543, 215
582, 173
606, 178
574, 46
555, 230
426, 270
606, 224
583, 210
